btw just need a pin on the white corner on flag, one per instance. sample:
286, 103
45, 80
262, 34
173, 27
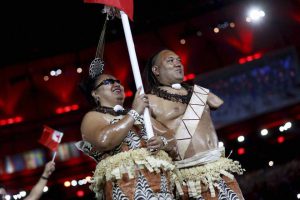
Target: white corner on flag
57, 136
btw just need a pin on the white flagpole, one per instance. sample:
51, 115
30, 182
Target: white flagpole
54, 155
136, 70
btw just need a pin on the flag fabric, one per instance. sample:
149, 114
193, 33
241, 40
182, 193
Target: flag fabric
51, 138
124, 5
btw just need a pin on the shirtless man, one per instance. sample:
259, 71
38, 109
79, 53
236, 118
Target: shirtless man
186, 111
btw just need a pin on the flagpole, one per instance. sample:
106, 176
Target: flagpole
54, 155
136, 70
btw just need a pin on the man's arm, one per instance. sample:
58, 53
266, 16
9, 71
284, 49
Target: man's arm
37, 190
214, 101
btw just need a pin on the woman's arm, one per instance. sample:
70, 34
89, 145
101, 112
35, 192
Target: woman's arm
97, 130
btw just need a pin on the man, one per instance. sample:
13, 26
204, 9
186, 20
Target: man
37, 189
184, 109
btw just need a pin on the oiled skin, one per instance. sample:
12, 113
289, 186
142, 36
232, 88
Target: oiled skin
170, 113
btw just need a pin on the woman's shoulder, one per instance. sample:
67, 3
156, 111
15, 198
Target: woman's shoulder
93, 119
93, 113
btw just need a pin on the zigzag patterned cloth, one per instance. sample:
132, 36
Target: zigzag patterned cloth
143, 190
226, 193
118, 193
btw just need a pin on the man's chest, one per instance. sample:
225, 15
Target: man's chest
167, 110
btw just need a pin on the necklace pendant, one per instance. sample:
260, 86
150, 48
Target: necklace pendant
116, 111
176, 86
118, 108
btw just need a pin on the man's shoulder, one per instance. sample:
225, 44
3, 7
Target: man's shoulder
198, 88
150, 95
154, 99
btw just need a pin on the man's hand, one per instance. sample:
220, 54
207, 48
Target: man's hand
155, 143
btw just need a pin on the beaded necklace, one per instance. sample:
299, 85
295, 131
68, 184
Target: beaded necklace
174, 97
108, 110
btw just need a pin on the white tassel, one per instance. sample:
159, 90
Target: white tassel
150, 169
130, 175
198, 188
227, 174
116, 173
179, 188
211, 187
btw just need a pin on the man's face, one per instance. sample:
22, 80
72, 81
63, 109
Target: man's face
168, 68
109, 90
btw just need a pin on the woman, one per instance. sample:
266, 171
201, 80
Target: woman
116, 138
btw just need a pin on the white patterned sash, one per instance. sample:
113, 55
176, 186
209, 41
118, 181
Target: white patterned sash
190, 119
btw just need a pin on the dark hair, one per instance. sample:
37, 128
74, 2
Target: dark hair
87, 85
151, 80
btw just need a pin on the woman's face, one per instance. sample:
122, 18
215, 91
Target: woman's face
108, 91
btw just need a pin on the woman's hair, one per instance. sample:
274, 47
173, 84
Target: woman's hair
151, 80
87, 85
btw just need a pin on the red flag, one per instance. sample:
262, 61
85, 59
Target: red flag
124, 5
51, 138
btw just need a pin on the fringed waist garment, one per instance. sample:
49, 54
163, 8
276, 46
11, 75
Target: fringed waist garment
134, 174
205, 172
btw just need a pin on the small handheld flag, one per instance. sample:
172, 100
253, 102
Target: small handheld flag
51, 139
